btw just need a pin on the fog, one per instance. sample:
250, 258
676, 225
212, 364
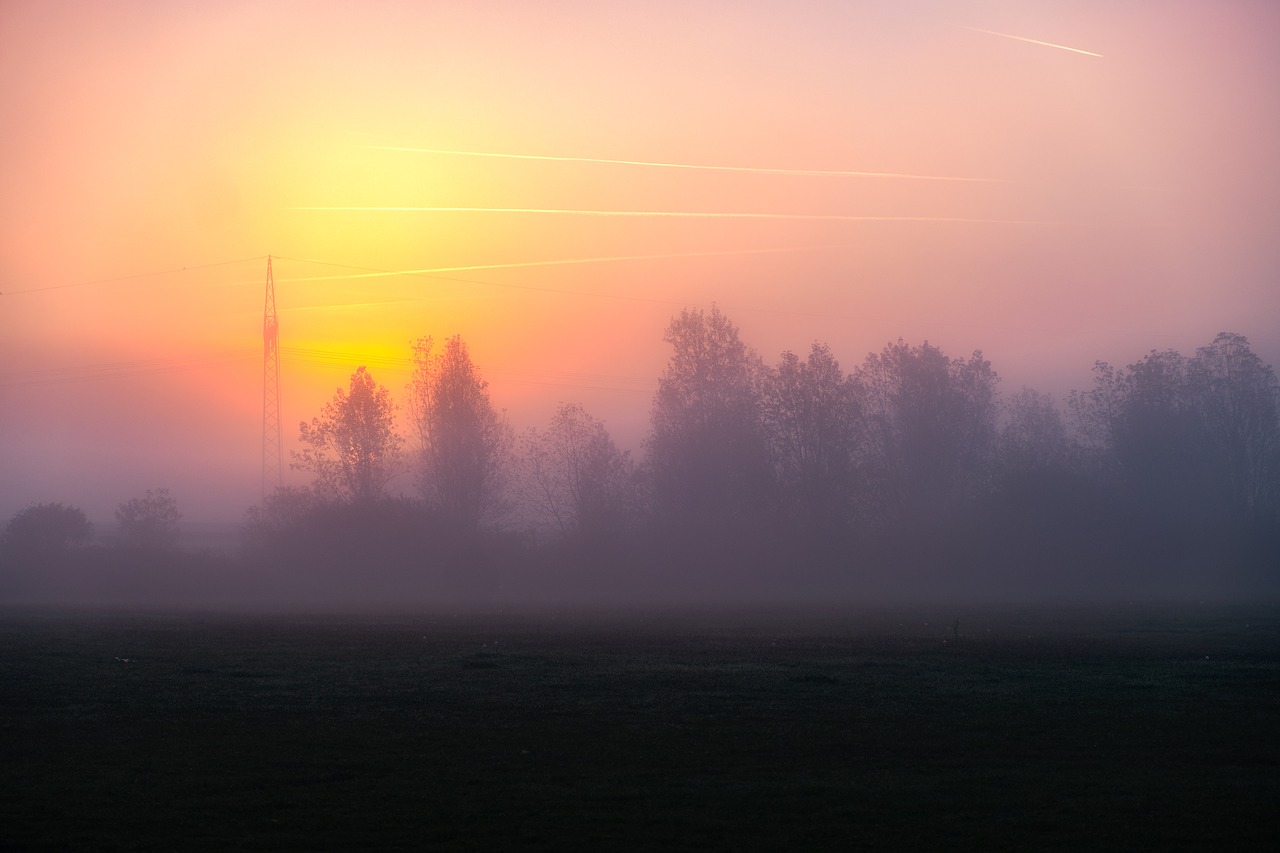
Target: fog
585, 197
911, 477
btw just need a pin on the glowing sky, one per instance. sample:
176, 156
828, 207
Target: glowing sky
1054, 183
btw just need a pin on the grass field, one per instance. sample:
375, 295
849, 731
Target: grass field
1121, 728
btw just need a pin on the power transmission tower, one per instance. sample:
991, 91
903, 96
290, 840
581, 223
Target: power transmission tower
272, 443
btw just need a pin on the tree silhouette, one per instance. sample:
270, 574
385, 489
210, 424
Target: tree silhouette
810, 414
352, 448
1239, 398
575, 476
930, 427
46, 529
708, 451
150, 521
283, 512
1189, 438
1034, 436
463, 442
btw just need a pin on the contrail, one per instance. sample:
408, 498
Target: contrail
345, 304
1029, 41
678, 214
753, 169
563, 262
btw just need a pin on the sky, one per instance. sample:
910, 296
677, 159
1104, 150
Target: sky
1054, 183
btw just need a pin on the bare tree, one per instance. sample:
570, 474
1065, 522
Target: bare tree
464, 443
352, 448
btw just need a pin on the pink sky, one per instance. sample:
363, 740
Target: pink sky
1130, 201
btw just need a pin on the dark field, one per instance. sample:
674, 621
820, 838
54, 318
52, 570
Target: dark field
1024, 729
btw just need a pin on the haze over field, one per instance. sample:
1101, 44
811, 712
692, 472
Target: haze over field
1054, 184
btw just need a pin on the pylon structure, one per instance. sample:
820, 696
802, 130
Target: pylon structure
272, 442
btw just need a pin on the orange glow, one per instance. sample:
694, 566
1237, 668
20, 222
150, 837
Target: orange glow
555, 184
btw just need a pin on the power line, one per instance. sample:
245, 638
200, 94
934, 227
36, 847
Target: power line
120, 369
376, 273
403, 365
314, 357
504, 285
779, 312
118, 278
581, 293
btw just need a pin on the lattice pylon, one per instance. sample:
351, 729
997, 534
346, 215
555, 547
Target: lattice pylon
272, 441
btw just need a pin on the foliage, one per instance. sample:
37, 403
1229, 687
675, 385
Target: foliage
464, 443
1189, 438
791, 483
46, 528
353, 448
1034, 435
809, 411
708, 450
574, 475
150, 521
283, 511
929, 424
1240, 401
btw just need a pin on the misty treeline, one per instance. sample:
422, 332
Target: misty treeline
50, 552
910, 475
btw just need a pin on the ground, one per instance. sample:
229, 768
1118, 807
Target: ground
1017, 728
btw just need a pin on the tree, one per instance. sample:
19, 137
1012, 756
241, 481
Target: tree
46, 529
930, 426
1034, 437
1144, 428
340, 549
150, 521
1239, 399
1189, 438
708, 452
463, 441
284, 511
575, 476
1040, 511
810, 414
352, 448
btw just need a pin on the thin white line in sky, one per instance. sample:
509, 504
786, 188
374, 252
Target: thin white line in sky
678, 214
345, 304
754, 169
1029, 41
119, 278
564, 262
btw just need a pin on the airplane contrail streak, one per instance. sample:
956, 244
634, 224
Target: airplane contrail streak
753, 169
562, 262
344, 304
1029, 41
678, 214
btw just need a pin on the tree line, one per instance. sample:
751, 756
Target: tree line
909, 472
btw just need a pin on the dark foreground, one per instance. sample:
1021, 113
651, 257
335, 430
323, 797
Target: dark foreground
1024, 729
